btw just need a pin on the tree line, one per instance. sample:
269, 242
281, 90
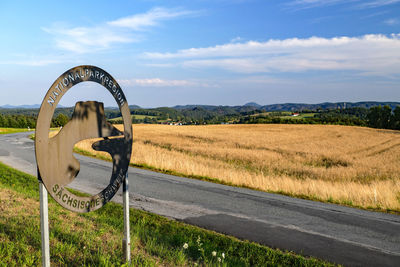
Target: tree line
28, 121
17, 121
383, 117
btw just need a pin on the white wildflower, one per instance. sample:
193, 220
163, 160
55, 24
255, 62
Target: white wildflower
185, 246
214, 253
199, 244
219, 259
223, 255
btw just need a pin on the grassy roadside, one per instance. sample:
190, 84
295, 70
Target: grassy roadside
95, 238
13, 130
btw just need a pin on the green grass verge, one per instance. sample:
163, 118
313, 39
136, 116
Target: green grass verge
13, 130
95, 238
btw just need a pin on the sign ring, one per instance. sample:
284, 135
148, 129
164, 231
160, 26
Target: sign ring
57, 167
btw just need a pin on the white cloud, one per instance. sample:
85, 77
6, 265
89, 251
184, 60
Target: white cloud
391, 22
236, 39
315, 3
378, 3
154, 82
374, 53
85, 39
157, 82
105, 35
150, 18
257, 80
303, 4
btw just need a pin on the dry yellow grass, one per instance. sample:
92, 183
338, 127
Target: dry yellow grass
333, 163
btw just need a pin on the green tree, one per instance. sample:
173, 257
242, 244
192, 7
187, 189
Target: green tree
60, 120
21, 120
379, 117
395, 120
12, 122
6, 122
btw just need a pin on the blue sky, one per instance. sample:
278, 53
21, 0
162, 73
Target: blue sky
218, 52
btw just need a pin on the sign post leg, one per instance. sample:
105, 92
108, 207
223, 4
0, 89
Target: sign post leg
44, 225
126, 243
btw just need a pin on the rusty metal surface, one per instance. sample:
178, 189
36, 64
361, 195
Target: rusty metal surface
56, 163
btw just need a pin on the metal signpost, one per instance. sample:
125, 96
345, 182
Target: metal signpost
57, 167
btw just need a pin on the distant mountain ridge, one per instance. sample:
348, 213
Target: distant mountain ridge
34, 106
326, 105
251, 106
20, 106
294, 106
348, 113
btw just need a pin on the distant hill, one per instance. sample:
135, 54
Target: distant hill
35, 106
287, 106
205, 111
346, 113
252, 104
21, 106
206, 107
326, 105
134, 107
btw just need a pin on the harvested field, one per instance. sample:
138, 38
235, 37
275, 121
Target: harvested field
350, 165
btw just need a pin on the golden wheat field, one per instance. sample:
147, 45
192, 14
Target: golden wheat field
353, 165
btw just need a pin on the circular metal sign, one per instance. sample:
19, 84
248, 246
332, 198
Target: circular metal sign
57, 166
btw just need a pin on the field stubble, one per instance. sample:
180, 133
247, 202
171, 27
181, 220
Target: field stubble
349, 165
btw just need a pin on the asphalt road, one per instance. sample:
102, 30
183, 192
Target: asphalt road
348, 236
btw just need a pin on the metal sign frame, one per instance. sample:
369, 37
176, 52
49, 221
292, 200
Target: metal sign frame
56, 163
57, 166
